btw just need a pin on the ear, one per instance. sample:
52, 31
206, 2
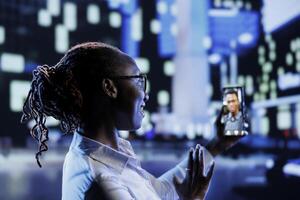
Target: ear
109, 88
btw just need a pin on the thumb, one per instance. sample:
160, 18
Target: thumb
176, 181
218, 123
211, 170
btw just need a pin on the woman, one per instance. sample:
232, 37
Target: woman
95, 90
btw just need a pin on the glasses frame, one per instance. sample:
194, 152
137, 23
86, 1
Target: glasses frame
143, 76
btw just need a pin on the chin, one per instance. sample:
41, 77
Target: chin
137, 122
131, 127
136, 126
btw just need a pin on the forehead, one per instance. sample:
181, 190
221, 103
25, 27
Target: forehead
128, 66
130, 69
231, 96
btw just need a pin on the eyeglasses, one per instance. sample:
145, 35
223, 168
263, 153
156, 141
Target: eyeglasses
142, 80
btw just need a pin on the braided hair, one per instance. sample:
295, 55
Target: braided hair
63, 90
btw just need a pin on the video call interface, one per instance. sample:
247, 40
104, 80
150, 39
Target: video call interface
234, 115
266, 50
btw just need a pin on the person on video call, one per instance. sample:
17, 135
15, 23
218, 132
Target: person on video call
95, 90
233, 120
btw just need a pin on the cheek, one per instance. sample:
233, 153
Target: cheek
136, 115
137, 101
130, 101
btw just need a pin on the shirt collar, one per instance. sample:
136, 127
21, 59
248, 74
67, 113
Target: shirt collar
103, 153
237, 116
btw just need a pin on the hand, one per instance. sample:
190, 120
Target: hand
220, 142
195, 184
226, 141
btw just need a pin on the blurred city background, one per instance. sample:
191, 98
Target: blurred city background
189, 50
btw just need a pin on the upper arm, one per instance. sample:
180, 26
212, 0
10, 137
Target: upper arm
76, 176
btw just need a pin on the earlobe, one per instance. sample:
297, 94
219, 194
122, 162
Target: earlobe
109, 88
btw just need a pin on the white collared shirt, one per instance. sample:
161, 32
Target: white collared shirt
233, 124
119, 173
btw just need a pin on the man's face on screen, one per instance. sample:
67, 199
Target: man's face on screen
232, 103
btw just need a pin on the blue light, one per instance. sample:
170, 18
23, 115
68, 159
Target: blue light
128, 45
166, 41
129, 7
30, 66
114, 4
224, 29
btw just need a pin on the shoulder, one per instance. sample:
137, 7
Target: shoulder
84, 177
75, 162
77, 176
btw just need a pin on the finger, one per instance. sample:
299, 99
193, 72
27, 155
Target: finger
246, 125
189, 173
219, 125
201, 163
196, 163
211, 170
220, 114
176, 181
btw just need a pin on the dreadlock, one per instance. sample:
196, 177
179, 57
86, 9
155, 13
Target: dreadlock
59, 91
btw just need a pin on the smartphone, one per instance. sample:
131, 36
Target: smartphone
234, 111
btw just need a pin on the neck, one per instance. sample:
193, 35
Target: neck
104, 135
234, 114
100, 127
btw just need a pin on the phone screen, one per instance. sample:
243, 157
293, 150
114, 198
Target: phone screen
233, 113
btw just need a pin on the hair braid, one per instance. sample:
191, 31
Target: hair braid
49, 92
